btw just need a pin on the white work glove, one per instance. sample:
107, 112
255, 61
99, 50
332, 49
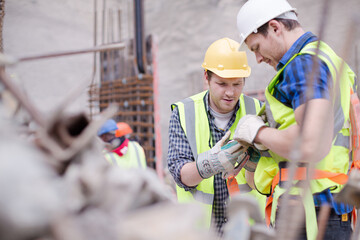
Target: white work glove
247, 129
221, 158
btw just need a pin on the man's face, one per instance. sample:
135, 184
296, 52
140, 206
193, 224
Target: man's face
107, 137
224, 92
269, 49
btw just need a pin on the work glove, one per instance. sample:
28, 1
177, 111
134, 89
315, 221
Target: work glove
247, 129
254, 157
221, 158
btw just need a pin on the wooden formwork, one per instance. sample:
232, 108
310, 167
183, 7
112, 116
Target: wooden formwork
134, 98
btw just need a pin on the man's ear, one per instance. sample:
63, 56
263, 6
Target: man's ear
275, 26
206, 76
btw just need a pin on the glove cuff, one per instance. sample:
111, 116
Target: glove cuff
204, 165
260, 147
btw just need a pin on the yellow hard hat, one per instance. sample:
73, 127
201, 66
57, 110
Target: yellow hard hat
224, 59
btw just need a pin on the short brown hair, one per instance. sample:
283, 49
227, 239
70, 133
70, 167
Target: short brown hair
288, 23
209, 73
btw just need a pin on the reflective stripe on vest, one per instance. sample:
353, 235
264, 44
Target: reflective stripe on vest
137, 153
190, 124
202, 197
113, 159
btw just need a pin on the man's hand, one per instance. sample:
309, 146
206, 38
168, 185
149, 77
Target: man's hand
247, 129
221, 158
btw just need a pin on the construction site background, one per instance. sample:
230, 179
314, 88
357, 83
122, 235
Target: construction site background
182, 30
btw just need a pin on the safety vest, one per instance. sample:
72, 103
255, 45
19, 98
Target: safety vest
195, 124
331, 171
133, 158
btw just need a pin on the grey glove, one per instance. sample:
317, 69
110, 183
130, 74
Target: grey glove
221, 158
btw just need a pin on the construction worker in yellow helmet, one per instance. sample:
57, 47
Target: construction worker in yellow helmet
200, 155
120, 151
307, 111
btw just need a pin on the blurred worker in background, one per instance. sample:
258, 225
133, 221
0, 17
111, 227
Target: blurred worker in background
306, 99
199, 157
120, 150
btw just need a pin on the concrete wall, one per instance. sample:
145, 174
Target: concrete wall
183, 30
186, 28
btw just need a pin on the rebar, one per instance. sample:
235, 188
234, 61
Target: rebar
100, 48
288, 224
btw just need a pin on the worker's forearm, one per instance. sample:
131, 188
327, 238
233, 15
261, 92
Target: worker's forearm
280, 142
316, 136
190, 175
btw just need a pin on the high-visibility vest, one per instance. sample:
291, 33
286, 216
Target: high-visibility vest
133, 158
195, 124
331, 171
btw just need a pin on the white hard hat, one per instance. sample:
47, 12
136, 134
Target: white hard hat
255, 13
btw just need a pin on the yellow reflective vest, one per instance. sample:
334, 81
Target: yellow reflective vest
133, 158
195, 124
281, 117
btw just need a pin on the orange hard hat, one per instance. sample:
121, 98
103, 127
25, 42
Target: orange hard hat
123, 129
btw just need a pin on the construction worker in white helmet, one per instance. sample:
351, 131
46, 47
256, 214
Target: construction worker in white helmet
120, 151
200, 158
307, 127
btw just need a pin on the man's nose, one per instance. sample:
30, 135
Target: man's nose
229, 91
259, 57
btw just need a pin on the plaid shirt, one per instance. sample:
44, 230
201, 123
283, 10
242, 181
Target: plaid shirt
179, 153
291, 91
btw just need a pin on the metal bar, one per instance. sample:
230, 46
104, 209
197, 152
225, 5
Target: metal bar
356, 61
23, 100
139, 36
356, 232
95, 43
157, 120
288, 225
74, 52
119, 23
103, 22
323, 220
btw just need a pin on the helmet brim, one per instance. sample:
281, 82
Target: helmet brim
236, 73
